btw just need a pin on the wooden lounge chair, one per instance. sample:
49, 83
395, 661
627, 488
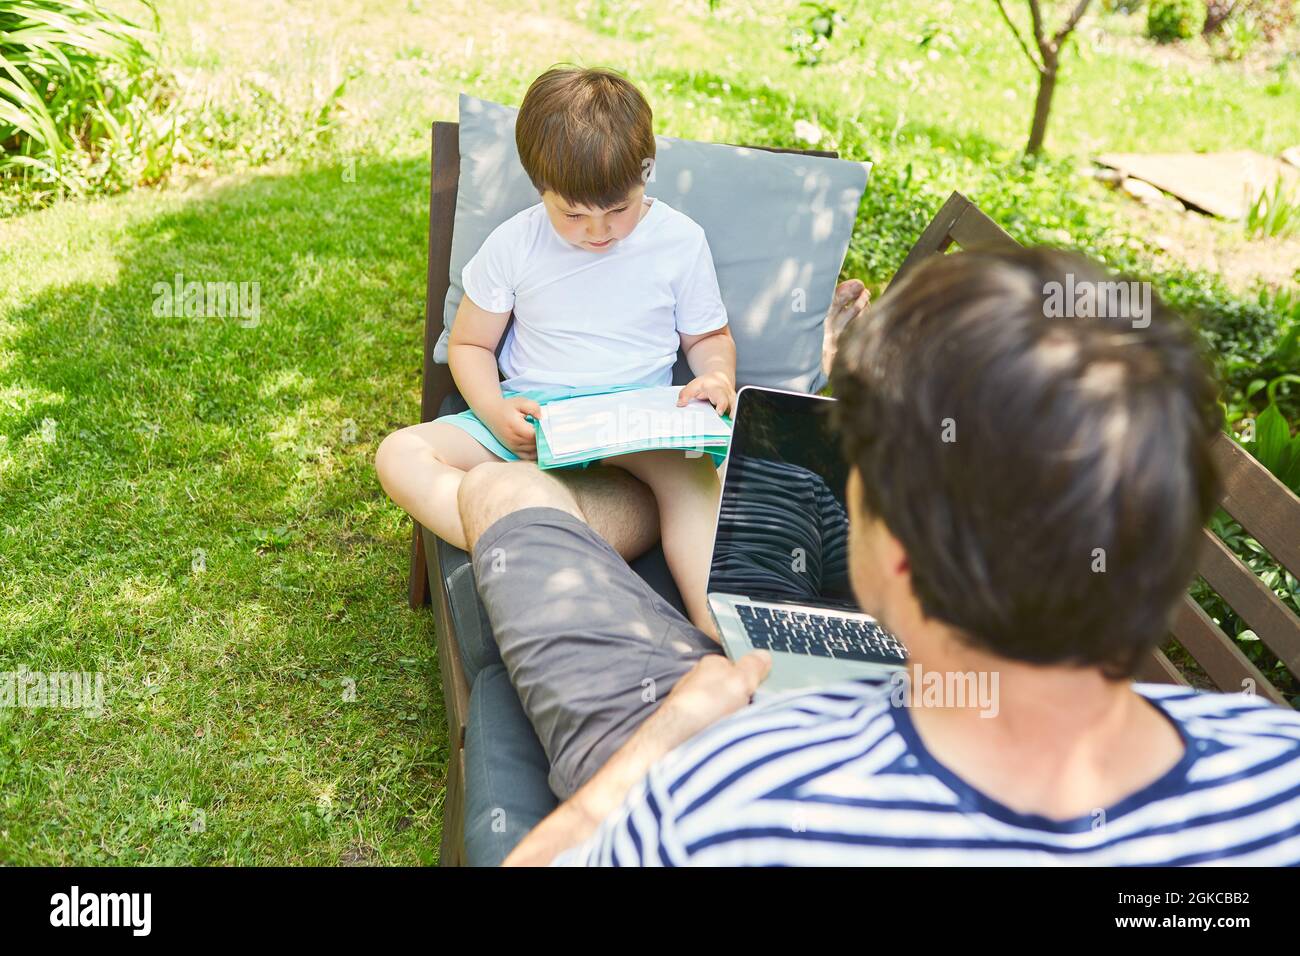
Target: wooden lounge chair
483, 714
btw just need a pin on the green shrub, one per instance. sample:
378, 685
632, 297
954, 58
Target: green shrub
1274, 212
1170, 20
81, 103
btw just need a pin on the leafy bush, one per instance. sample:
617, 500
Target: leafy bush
1276, 578
809, 40
81, 102
1270, 19
85, 109
1170, 20
1238, 37
1272, 443
1274, 212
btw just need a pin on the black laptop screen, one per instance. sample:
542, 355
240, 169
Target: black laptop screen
782, 525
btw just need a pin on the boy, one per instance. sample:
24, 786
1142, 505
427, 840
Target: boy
605, 285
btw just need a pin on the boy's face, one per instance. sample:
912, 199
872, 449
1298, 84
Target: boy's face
596, 230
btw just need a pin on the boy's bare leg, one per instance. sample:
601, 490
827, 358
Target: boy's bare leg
687, 491
421, 467
413, 469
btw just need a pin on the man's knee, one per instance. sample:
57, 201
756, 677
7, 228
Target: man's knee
495, 489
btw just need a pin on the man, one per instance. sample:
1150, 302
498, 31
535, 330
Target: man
1025, 497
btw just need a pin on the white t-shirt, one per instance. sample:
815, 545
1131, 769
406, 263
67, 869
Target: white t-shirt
596, 318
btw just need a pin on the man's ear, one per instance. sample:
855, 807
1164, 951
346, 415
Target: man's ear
896, 560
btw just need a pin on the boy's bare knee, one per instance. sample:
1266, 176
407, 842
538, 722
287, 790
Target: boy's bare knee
391, 454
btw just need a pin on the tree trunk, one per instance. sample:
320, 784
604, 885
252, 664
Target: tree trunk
1216, 13
1042, 105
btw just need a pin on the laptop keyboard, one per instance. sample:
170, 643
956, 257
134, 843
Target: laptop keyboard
821, 635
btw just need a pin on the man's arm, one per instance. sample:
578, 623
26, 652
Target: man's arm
712, 689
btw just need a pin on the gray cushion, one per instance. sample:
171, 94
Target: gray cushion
478, 647
778, 226
506, 793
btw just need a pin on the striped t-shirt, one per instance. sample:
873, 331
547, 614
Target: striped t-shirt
840, 777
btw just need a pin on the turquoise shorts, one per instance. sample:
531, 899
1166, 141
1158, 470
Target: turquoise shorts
468, 422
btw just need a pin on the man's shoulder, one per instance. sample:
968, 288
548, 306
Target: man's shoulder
1234, 717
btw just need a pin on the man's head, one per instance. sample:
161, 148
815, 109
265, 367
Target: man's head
1035, 483
586, 140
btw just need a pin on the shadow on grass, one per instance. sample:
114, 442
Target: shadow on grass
205, 509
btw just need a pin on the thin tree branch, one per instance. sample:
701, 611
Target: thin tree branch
1070, 24
1019, 39
1036, 16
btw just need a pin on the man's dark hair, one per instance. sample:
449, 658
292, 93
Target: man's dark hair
1048, 476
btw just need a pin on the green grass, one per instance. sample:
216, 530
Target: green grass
225, 686
225, 683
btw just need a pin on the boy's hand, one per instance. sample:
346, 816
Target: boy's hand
714, 386
506, 420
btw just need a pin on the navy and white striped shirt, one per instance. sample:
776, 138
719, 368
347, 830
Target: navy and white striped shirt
840, 777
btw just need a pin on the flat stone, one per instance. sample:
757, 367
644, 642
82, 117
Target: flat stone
1221, 184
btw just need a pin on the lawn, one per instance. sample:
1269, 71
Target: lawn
188, 504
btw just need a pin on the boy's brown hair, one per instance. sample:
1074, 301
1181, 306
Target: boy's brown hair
586, 135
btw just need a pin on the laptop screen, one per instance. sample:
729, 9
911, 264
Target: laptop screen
783, 528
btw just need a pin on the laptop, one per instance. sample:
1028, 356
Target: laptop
779, 574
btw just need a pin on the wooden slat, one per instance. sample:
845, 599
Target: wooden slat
438, 382
936, 237
1218, 654
974, 228
1159, 669
417, 582
1263, 505
455, 688
826, 153
1252, 599
451, 850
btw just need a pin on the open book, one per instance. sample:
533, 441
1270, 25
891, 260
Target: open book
576, 430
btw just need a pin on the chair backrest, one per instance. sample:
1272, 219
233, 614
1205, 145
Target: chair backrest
1270, 513
1259, 502
958, 222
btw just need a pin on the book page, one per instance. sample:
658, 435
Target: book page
593, 422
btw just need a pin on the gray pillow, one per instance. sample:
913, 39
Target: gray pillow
778, 226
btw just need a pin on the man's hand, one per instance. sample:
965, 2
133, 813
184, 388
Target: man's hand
714, 688
506, 420
716, 387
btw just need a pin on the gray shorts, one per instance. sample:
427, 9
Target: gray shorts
590, 648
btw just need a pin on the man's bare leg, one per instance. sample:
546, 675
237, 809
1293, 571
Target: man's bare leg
616, 505
619, 507
494, 490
